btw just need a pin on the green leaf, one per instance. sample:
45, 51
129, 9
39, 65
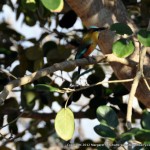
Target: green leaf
64, 124
120, 90
123, 48
144, 37
28, 97
107, 116
142, 135
121, 28
53, 5
45, 87
126, 136
145, 121
105, 131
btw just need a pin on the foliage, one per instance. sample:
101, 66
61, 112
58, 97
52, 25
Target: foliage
105, 103
137, 134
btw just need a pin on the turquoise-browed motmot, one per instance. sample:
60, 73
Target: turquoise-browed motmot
88, 43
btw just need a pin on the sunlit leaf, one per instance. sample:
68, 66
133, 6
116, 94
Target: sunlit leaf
53, 5
121, 28
28, 97
30, 21
123, 48
144, 37
64, 124
107, 116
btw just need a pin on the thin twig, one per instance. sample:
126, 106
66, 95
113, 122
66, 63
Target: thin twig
141, 65
68, 100
3, 136
145, 81
68, 90
8, 73
12, 121
9, 124
21, 133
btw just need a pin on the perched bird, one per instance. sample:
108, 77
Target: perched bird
88, 43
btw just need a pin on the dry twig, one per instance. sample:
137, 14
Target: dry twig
134, 87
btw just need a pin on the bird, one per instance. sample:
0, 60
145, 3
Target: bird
88, 43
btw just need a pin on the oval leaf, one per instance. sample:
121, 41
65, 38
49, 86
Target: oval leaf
123, 48
71, 16
126, 136
121, 28
107, 116
53, 5
59, 8
31, 51
105, 131
64, 124
145, 121
144, 37
143, 135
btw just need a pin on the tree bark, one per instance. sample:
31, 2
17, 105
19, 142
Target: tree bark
104, 13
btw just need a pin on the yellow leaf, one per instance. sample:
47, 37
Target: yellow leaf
64, 124
59, 8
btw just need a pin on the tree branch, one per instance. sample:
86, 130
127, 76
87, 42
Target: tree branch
60, 66
134, 86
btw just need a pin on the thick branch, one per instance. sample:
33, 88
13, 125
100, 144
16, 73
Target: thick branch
59, 66
135, 85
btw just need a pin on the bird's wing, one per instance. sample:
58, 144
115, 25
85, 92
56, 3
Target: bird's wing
83, 48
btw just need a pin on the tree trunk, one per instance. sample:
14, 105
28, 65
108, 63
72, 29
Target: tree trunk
104, 13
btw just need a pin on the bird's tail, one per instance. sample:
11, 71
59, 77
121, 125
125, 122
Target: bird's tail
79, 70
